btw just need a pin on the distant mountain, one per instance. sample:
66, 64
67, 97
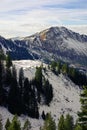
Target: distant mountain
53, 43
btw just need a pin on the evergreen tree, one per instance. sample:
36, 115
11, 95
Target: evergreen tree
78, 127
7, 125
21, 86
2, 56
8, 77
38, 78
83, 114
15, 125
14, 72
2, 90
27, 96
49, 123
34, 104
8, 61
21, 79
14, 103
69, 125
27, 125
53, 66
43, 115
61, 124
65, 68
1, 87
48, 92
58, 67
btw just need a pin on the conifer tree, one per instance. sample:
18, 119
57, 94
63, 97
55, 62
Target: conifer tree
83, 113
49, 123
69, 125
65, 69
2, 90
27, 96
21, 77
61, 123
2, 56
8, 61
48, 92
14, 72
53, 66
27, 125
78, 127
7, 125
38, 78
14, 105
58, 67
34, 104
43, 115
15, 125
21, 86
8, 77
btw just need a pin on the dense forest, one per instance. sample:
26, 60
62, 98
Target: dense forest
20, 95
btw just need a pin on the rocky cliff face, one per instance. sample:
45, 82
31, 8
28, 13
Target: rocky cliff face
53, 43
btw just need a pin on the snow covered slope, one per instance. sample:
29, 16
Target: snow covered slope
66, 95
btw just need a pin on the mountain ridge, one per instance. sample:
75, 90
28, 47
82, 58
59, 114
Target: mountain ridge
55, 43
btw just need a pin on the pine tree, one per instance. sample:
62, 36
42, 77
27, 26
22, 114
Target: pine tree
15, 125
8, 61
21, 86
38, 78
83, 114
65, 69
14, 72
34, 104
1, 86
8, 77
2, 90
58, 67
53, 66
27, 125
7, 125
14, 103
2, 56
49, 123
43, 115
78, 127
27, 96
69, 125
48, 92
61, 124
21, 79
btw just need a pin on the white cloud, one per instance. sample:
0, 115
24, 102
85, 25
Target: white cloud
21, 18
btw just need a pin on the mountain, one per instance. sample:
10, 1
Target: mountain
53, 43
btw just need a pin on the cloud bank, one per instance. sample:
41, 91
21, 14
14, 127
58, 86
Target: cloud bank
22, 18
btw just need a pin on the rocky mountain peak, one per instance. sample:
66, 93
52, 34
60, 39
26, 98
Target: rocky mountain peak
52, 43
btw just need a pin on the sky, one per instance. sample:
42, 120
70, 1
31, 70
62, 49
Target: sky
20, 18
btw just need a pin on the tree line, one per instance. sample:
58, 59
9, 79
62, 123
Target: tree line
15, 124
64, 123
74, 74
